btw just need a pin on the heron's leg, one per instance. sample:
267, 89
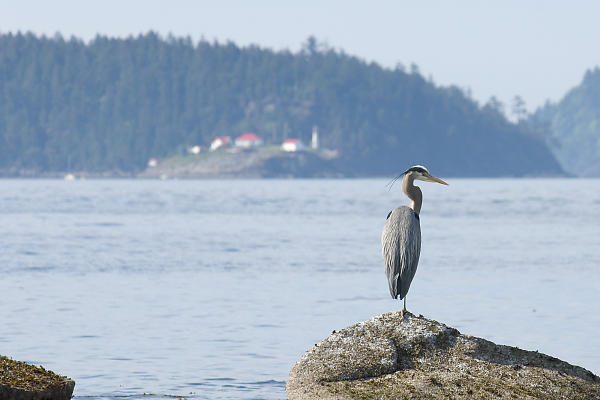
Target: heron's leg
403, 308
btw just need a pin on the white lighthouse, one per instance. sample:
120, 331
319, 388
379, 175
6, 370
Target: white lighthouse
314, 143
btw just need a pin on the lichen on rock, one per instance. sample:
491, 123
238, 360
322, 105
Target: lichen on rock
395, 357
22, 381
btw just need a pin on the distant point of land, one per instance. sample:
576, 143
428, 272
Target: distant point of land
261, 162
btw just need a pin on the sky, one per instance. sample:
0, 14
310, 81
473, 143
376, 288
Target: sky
535, 49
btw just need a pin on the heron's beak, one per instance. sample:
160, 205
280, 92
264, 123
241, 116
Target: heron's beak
432, 178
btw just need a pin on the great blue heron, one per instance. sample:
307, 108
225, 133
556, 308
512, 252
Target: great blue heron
401, 236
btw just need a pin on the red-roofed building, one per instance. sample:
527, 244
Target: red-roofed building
220, 141
248, 140
292, 145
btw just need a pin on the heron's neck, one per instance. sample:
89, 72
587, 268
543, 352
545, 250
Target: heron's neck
413, 192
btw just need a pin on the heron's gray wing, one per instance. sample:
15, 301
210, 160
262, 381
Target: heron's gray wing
401, 246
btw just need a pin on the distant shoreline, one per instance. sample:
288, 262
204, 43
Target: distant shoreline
122, 176
262, 163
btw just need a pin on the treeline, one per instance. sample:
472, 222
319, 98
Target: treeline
110, 104
571, 127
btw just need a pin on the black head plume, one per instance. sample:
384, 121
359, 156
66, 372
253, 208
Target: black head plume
391, 183
417, 168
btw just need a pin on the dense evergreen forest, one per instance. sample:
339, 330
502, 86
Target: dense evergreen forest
110, 104
572, 126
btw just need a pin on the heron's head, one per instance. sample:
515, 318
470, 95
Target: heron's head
421, 173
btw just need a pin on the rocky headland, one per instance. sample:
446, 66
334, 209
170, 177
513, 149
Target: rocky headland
22, 381
410, 357
249, 163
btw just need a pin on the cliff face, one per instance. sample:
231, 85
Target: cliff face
391, 357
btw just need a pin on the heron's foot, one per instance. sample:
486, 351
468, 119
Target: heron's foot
403, 312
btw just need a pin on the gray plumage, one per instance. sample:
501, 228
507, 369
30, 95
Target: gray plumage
401, 236
401, 247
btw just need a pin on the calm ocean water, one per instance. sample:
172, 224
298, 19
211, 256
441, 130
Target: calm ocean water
214, 289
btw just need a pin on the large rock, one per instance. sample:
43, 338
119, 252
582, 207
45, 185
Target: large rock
391, 357
21, 381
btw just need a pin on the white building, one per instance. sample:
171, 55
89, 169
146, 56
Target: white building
195, 149
292, 145
220, 141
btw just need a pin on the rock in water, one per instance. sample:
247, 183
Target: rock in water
21, 381
390, 357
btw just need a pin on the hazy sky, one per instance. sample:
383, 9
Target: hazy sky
536, 49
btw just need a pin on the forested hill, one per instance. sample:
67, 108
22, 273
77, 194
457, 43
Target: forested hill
572, 126
111, 104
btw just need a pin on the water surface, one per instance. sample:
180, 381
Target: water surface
213, 289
